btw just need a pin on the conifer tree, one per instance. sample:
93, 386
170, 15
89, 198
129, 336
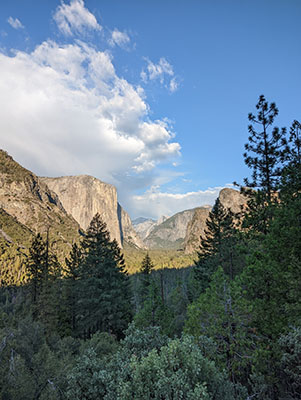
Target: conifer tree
72, 274
217, 246
42, 271
264, 150
146, 265
291, 174
145, 272
104, 292
264, 155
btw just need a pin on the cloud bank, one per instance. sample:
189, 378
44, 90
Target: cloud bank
65, 108
65, 111
154, 203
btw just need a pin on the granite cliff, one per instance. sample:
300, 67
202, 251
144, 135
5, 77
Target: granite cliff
229, 198
195, 228
169, 234
83, 196
182, 231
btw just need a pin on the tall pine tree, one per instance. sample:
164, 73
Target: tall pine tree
263, 155
217, 245
104, 292
43, 269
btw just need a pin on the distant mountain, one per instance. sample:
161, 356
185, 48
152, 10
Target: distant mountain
170, 233
183, 230
229, 198
144, 226
141, 220
83, 196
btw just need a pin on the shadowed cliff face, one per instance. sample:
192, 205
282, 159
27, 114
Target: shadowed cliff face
27, 198
128, 233
195, 229
83, 196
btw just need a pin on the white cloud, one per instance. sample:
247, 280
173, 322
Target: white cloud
162, 72
154, 203
173, 85
119, 38
64, 110
15, 23
75, 18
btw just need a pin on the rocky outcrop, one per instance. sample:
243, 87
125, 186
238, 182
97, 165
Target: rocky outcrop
26, 197
170, 234
83, 196
144, 226
195, 229
232, 199
128, 233
229, 198
13, 232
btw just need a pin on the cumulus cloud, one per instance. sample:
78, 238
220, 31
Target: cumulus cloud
15, 23
154, 203
119, 38
75, 18
64, 110
162, 72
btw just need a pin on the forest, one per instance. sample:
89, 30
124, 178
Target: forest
226, 327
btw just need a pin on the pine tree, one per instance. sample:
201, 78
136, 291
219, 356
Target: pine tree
146, 265
43, 269
217, 246
72, 274
264, 154
144, 281
291, 174
264, 150
104, 293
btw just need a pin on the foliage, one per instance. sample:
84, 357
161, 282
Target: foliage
264, 150
291, 363
264, 155
156, 370
161, 259
221, 314
104, 292
155, 311
30, 369
222, 246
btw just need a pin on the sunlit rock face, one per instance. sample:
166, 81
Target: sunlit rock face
83, 196
26, 197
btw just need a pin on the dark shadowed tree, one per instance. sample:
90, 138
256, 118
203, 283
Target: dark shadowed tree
104, 292
264, 156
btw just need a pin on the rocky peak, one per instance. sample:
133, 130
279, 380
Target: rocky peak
233, 199
229, 198
171, 232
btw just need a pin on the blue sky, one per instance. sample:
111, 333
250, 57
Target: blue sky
151, 96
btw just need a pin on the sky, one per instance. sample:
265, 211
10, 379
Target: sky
150, 96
